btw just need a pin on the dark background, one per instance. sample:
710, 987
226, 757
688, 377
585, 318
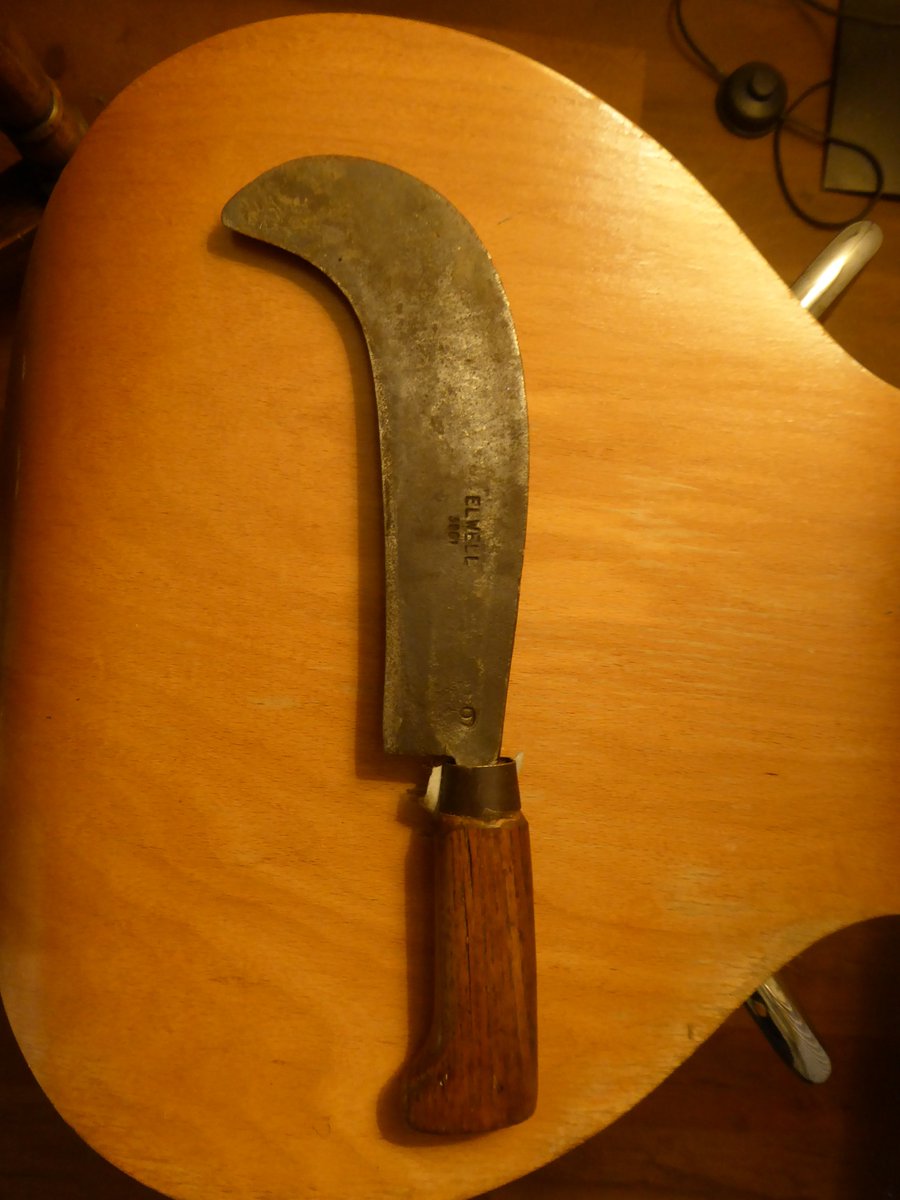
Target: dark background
732, 1123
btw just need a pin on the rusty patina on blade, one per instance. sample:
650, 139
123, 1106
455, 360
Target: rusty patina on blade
453, 430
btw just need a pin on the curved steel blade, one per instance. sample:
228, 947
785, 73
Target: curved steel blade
453, 431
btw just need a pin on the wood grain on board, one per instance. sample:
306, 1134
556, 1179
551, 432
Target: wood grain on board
661, 1161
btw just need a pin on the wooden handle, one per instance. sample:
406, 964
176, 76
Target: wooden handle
45, 128
478, 1068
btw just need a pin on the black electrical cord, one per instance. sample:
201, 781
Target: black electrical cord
825, 140
703, 59
860, 18
788, 121
716, 72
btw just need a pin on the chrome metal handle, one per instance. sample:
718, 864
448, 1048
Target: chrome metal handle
837, 266
775, 1011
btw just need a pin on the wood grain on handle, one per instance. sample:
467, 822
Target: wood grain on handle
478, 1068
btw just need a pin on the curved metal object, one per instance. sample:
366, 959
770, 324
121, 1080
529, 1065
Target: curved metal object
454, 464
452, 421
775, 1011
837, 266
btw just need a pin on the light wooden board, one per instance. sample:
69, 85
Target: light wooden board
215, 886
